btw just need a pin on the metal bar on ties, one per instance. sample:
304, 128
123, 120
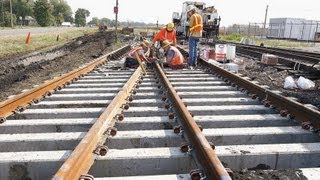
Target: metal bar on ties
82, 158
208, 156
7, 107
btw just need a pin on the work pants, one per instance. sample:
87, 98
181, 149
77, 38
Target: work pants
193, 53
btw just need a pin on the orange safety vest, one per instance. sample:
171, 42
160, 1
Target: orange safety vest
177, 58
136, 49
197, 23
165, 35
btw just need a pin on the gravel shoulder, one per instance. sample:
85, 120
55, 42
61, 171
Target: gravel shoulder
19, 73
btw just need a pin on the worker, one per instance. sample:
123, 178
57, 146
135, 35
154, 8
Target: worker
166, 33
143, 52
174, 58
195, 33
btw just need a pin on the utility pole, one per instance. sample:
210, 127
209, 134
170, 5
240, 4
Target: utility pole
116, 11
11, 17
265, 20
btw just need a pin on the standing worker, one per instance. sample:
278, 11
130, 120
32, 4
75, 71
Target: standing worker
142, 50
166, 33
195, 33
173, 56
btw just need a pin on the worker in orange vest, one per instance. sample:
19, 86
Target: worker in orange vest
173, 56
143, 51
196, 27
166, 33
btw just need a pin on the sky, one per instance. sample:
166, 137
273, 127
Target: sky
230, 11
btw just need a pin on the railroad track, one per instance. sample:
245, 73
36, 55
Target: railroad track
70, 133
300, 63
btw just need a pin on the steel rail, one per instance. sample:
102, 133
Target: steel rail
295, 109
209, 159
283, 58
310, 57
24, 100
82, 158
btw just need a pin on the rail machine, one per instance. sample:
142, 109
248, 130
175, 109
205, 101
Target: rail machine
211, 20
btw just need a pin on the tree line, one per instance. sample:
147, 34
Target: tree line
45, 12
51, 12
112, 22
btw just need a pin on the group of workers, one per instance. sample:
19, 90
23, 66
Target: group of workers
168, 41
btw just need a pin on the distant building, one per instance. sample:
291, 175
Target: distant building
294, 28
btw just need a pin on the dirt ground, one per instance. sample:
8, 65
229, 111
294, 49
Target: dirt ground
246, 174
268, 75
18, 73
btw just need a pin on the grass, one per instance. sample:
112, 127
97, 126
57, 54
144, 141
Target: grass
232, 37
266, 42
10, 45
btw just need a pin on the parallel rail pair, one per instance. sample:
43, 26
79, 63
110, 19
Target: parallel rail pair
80, 160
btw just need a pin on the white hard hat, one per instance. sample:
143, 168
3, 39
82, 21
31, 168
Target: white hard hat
190, 8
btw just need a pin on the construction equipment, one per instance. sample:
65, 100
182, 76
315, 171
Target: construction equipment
210, 18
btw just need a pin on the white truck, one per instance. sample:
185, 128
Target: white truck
211, 20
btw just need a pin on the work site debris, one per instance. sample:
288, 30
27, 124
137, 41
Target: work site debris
302, 83
269, 59
289, 83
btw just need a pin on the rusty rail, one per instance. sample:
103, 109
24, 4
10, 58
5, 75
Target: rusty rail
24, 100
284, 104
207, 155
82, 157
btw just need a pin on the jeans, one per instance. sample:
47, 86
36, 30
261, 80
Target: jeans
193, 51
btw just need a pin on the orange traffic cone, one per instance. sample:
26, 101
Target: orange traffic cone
28, 38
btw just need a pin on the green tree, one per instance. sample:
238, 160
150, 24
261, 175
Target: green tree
6, 19
94, 21
22, 8
61, 11
43, 12
106, 21
81, 16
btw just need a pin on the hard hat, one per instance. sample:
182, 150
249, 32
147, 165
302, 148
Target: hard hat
170, 26
165, 43
190, 8
145, 43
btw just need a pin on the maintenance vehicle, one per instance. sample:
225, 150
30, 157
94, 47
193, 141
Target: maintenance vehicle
211, 20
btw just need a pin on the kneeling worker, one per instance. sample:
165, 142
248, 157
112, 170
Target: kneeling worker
142, 50
173, 56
